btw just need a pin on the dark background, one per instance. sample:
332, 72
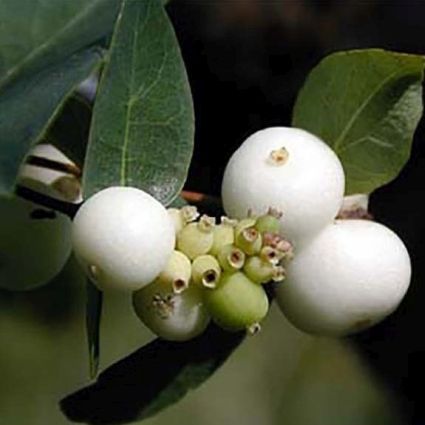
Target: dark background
246, 61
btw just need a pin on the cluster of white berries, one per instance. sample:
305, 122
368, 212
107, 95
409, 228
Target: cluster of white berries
182, 268
35, 243
346, 274
282, 190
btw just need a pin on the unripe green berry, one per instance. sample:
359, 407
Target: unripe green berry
177, 272
231, 258
189, 213
175, 317
243, 224
237, 303
270, 255
196, 239
223, 235
268, 223
249, 241
258, 270
206, 271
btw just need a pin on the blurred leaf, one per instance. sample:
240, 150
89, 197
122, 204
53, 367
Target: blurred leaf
152, 378
366, 105
35, 34
70, 129
28, 105
142, 131
179, 202
93, 317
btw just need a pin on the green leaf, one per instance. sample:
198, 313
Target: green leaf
366, 105
37, 33
152, 378
142, 129
93, 316
28, 105
69, 131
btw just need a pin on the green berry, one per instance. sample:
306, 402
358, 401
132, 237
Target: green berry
249, 241
196, 239
206, 271
171, 316
268, 223
258, 270
223, 235
243, 224
231, 258
177, 272
189, 213
237, 303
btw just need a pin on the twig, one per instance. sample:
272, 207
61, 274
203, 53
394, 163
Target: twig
46, 201
54, 165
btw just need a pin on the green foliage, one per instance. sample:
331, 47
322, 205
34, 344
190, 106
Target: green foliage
41, 61
94, 301
366, 105
152, 378
142, 131
28, 105
35, 34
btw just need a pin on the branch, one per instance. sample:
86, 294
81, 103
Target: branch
46, 201
54, 165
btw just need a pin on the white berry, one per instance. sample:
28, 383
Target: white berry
51, 182
123, 237
351, 276
287, 169
175, 317
35, 244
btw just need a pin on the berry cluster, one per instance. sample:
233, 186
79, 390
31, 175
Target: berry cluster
185, 269
347, 274
215, 271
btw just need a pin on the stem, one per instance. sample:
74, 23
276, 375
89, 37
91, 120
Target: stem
209, 203
54, 165
46, 201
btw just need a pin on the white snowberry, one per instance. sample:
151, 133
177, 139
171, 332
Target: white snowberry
289, 170
352, 275
35, 243
51, 182
175, 317
123, 237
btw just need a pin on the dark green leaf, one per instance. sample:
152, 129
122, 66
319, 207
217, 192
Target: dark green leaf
93, 317
150, 379
27, 106
70, 129
366, 105
142, 130
37, 33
